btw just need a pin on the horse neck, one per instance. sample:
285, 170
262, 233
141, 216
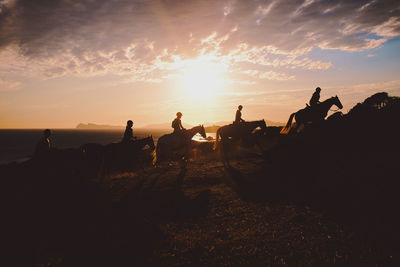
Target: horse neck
327, 104
191, 132
143, 141
255, 124
146, 140
149, 141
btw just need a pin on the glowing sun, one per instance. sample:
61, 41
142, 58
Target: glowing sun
201, 79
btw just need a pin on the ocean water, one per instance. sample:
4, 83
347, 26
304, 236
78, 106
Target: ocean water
18, 145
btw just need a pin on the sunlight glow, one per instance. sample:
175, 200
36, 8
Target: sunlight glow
202, 79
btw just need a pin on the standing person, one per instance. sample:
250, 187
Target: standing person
177, 124
238, 117
314, 101
43, 146
128, 135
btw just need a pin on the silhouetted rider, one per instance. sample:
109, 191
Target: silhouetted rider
314, 101
177, 124
128, 135
238, 117
43, 146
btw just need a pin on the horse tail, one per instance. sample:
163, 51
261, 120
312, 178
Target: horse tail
288, 126
217, 138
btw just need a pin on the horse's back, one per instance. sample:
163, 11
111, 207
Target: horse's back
169, 142
163, 139
225, 128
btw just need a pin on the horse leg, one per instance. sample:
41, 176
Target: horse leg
259, 146
300, 128
185, 158
225, 154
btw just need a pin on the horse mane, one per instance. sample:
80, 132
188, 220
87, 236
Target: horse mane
196, 127
255, 122
329, 99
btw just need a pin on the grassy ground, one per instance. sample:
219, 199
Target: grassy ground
205, 222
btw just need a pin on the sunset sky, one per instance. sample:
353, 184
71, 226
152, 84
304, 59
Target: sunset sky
106, 61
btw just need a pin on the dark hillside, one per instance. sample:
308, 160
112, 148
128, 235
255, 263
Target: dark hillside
327, 196
348, 166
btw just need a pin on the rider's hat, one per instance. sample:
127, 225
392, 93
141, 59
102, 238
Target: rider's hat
179, 114
317, 89
240, 106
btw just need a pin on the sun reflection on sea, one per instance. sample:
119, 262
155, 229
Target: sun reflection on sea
199, 138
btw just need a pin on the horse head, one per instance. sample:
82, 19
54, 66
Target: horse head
202, 131
197, 129
337, 102
263, 125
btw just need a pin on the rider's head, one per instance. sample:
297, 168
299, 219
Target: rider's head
240, 107
179, 115
129, 123
47, 133
318, 89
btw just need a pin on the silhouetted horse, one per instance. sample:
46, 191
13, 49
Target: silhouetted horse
176, 146
243, 132
62, 162
102, 160
311, 115
125, 156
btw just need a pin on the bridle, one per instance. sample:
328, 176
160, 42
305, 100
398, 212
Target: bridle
335, 110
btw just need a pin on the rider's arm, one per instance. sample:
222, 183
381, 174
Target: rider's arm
180, 125
238, 116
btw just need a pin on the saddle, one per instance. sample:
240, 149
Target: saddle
310, 108
180, 138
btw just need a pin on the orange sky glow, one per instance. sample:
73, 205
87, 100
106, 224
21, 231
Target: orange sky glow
109, 61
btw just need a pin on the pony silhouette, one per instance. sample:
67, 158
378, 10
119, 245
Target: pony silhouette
176, 146
116, 157
242, 132
311, 115
237, 131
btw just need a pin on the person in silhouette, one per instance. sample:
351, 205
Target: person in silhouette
177, 124
128, 135
314, 101
238, 117
43, 146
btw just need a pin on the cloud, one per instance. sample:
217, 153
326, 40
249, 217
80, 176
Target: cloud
8, 85
390, 28
269, 75
149, 39
370, 88
351, 95
270, 56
